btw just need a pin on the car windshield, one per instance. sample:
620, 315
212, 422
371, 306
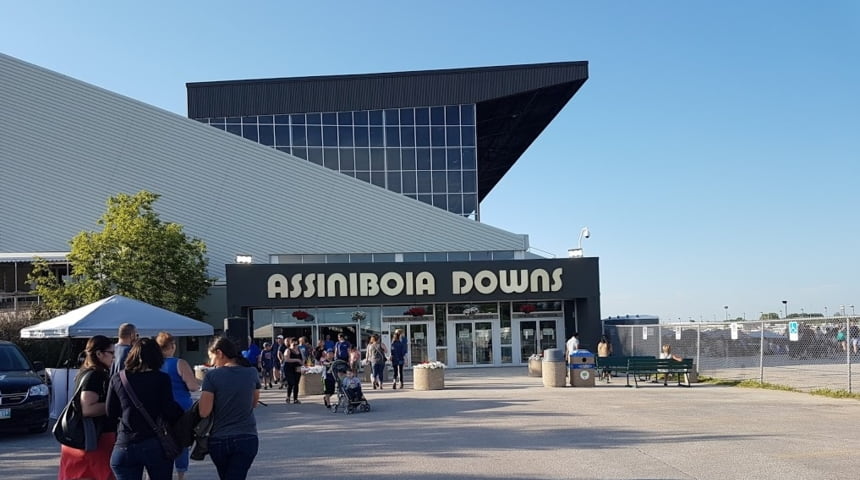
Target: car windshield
11, 359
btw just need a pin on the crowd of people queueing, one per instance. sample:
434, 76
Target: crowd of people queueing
124, 385
282, 362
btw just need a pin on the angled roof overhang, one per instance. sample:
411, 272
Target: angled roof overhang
513, 103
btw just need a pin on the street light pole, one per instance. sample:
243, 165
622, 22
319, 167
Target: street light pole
825, 311
785, 305
727, 312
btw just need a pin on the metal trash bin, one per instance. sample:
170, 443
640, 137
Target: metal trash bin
582, 368
553, 371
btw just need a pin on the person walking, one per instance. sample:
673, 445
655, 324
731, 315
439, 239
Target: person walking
182, 382
137, 445
279, 349
94, 376
376, 358
604, 350
398, 358
127, 334
292, 370
230, 394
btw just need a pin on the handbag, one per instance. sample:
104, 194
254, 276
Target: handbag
162, 429
73, 429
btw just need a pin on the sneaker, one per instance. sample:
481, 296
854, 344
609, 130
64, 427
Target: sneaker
401, 385
265, 387
394, 386
296, 401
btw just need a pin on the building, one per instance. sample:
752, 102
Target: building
371, 249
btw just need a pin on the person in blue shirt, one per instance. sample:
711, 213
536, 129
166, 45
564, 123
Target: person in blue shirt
266, 364
398, 358
341, 348
252, 354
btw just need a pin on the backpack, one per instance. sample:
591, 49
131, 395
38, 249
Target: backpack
378, 356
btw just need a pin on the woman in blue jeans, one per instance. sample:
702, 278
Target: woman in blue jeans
230, 394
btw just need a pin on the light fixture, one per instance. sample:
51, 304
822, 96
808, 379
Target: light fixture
244, 259
577, 252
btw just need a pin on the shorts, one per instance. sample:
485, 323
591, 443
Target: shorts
328, 386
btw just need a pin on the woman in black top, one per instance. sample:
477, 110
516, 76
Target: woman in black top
292, 370
137, 446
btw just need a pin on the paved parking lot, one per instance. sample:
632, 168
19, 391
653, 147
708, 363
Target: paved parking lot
501, 423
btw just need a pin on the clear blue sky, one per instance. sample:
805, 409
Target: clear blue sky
714, 151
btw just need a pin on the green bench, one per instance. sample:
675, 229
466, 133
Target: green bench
645, 367
616, 365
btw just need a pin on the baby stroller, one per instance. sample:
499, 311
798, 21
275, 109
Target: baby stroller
349, 398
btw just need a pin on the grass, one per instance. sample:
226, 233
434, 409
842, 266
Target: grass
823, 392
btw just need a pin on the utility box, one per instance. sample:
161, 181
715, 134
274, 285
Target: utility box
581, 364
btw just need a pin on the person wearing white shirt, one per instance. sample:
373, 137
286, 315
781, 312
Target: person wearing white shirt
572, 344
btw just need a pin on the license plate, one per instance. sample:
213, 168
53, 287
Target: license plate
5, 413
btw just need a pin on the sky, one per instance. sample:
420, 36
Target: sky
713, 153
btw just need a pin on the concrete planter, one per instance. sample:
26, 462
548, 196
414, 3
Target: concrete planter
535, 368
554, 374
310, 384
428, 378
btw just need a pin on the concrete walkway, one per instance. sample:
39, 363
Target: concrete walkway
500, 423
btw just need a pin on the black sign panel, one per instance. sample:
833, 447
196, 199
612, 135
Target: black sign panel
293, 286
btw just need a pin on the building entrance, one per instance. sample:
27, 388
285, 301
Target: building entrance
420, 336
534, 336
474, 342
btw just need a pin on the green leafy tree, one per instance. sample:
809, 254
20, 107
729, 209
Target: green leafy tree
135, 255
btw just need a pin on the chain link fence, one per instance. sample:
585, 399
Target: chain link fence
821, 354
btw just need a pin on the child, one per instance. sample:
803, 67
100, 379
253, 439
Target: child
329, 377
266, 362
354, 358
352, 386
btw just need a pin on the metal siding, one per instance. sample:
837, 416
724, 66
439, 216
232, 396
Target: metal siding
355, 92
66, 146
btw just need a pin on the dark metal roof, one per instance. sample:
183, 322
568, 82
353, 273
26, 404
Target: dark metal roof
513, 103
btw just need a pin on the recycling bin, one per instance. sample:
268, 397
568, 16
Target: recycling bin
582, 368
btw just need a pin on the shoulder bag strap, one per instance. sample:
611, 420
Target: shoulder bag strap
76, 399
136, 401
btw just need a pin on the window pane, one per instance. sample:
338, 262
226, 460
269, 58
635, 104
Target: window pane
454, 160
470, 204
468, 136
455, 204
503, 255
267, 135
426, 198
282, 119
362, 159
299, 136
378, 179
438, 159
267, 119
315, 155
437, 116
422, 136
407, 136
376, 117
360, 118
440, 182
285, 150
392, 118
377, 159
394, 182
392, 159
377, 137
408, 155
437, 136
330, 158
440, 201
282, 135
344, 118
347, 159
453, 139
360, 258
467, 114
413, 257
422, 116
383, 257
314, 136
345, 136
364, 176
409, 182
313, 119
362, 138
300, 152
422, 156
235, 129
437, 257
479, 255
470, 181
330, 136
407, 116
469, 160
455, 183
424, 182
452, 115
251, 120
348, 173
250, 132
219, 126
329, 119
297, 119
392, 136
337, 258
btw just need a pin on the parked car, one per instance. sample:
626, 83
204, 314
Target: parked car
24, 395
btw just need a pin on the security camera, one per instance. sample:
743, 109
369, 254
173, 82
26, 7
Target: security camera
586, 233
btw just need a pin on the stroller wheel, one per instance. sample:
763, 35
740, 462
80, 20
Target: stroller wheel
365, 408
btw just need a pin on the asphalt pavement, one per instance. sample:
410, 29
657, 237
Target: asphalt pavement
501, 423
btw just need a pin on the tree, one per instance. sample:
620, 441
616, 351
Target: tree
135, 255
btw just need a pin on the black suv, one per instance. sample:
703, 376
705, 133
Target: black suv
24, 396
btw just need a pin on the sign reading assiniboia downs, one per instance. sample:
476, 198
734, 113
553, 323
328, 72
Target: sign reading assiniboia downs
392, 284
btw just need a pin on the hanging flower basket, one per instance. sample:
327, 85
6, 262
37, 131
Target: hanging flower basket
358, 316
416, 312
471, 311
528, 308
303, 315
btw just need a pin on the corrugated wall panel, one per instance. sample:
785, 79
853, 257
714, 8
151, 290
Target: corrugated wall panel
66, 146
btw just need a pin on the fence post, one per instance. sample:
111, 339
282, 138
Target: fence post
699, 349
848, 341
761, 356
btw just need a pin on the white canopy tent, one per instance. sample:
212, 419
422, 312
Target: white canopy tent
104, 318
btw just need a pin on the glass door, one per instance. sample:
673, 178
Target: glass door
535, 336
474, 345
418, 339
